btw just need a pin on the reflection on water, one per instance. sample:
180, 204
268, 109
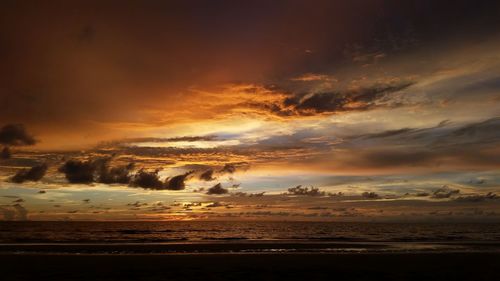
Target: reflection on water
47, 232
178, 237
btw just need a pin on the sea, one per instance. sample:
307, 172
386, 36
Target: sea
177, 237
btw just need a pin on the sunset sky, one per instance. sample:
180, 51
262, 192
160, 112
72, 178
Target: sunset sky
259, 110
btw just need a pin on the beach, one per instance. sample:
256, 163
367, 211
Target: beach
271, 266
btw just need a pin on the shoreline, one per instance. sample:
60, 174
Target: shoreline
257, 246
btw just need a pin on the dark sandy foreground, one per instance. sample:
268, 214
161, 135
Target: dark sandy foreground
393, 266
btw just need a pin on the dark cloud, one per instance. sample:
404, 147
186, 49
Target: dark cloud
77, 171
334, 102
15, 134
35, 173
485, 132
231, 168
370, 195
270, 213
177, 182
5, 154
137, 204
100, 170
257, 194
478, 198
217, 190
444, 135
422, 194
145, 179
245, 194
444, 192
441, 145
96, 170
228, 168
390, 133
119, 174
208, 175
201, 189
299, 190
151, 180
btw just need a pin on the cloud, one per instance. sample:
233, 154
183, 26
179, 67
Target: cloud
208, 175
177, 182
390, 133
245, 194
299, 190
77, 171
231, 168
5, 154
151, 180
370, 195
96, 170
332, 102
137, 204
119, 174
444, 192
15, 134
422, 194
361, 99
99, 170
217, 190
484, 132
478, 198
35, 173
445, 134
147, 179
228, 168
442, 146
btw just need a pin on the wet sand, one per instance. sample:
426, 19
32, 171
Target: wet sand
272, 266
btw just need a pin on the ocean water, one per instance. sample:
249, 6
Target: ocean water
189, 236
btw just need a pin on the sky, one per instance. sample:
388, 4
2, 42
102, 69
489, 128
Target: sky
250, 110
